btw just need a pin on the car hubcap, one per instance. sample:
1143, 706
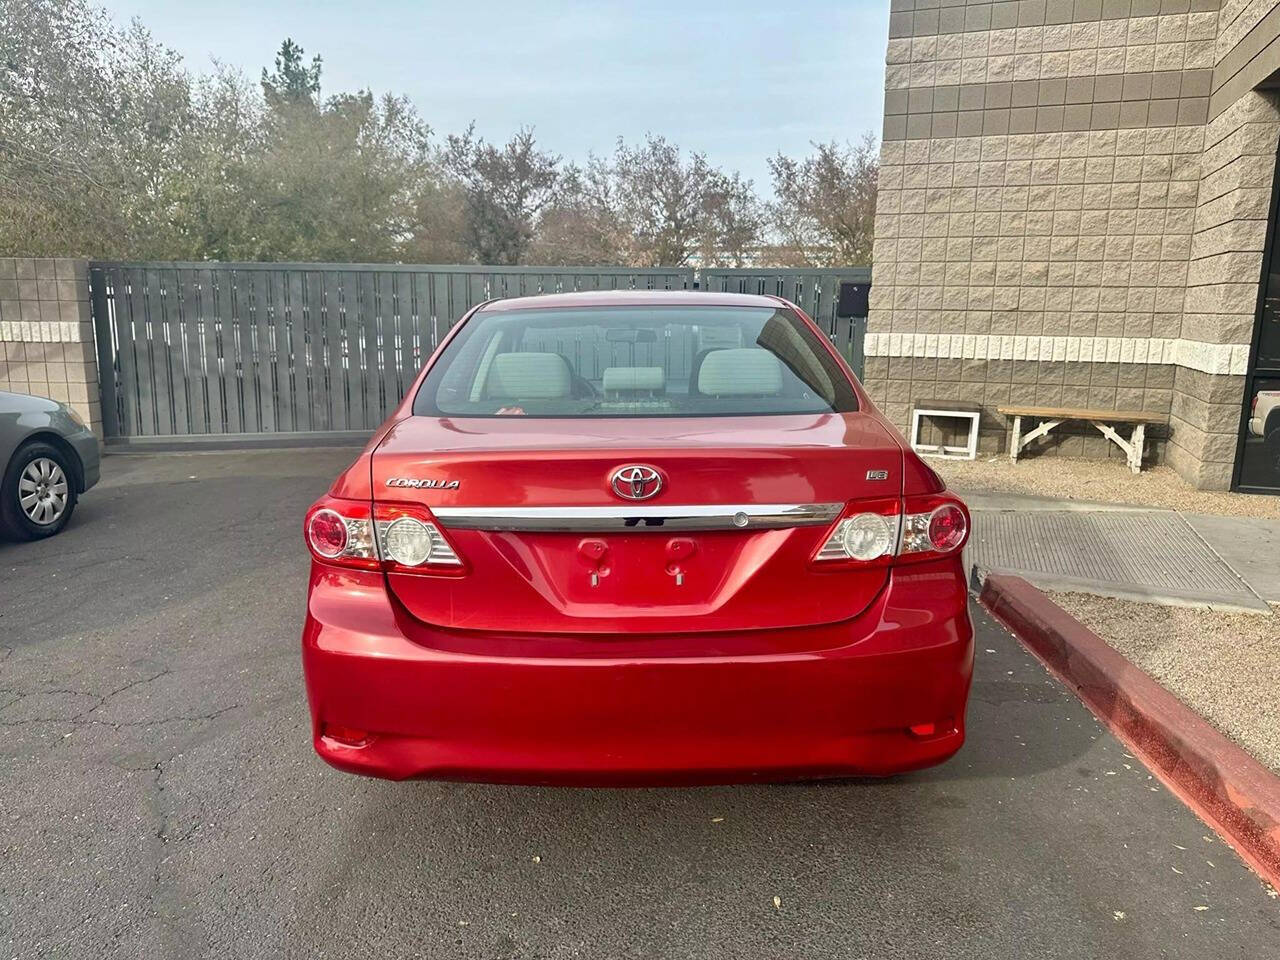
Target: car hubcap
42, 491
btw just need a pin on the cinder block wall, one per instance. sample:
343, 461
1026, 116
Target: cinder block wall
46, 334
1237, 171
1054, 224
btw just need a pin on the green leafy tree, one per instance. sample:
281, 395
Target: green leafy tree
334, 179
336, 183
111, 148
294, 82
56, 96
213, 211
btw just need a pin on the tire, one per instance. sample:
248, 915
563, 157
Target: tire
45, 472
1272, 448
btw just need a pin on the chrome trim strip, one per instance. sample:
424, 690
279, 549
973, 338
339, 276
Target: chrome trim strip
639, 519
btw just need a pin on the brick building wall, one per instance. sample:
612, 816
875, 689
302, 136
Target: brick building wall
1072, 207
46, 334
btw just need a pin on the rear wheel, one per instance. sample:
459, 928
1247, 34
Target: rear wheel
38, 493
1273, 450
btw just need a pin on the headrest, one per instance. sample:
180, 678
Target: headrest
740, 372
634, 379
528, 376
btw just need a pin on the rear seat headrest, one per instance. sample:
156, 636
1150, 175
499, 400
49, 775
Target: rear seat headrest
634, 379
528, 376
740, 372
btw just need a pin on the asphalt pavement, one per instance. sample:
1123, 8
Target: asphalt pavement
160, 797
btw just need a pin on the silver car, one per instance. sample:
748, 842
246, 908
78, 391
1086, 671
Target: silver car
49, 457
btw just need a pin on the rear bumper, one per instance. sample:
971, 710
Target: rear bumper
450, 711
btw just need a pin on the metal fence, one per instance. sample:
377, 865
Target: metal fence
233, 351
816, 292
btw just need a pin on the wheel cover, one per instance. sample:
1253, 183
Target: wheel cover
43, 491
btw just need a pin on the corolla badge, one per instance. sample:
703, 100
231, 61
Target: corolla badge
422, 484
635, 481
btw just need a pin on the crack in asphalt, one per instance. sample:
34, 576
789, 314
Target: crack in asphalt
82, 716
998, 693
163, 671
163, 896
118, 724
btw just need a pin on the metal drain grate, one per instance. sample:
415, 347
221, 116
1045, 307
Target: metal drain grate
1151, 555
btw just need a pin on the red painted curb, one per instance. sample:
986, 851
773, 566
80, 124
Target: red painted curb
1227, 788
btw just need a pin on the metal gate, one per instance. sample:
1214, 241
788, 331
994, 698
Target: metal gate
815, 291
237, 351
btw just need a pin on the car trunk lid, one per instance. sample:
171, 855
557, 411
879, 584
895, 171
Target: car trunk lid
552, 545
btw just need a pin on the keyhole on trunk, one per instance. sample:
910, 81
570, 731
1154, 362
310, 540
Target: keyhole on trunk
595, 555
679, 549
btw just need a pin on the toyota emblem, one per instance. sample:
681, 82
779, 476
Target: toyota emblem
635, 481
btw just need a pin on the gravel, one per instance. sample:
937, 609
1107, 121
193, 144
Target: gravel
1225, 666
1107, 481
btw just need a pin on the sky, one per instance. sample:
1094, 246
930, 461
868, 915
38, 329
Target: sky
738, 81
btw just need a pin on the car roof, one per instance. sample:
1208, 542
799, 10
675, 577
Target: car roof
631, 298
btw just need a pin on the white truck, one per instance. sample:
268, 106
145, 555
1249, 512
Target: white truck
1265, 421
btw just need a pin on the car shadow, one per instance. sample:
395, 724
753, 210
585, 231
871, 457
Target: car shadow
585, 865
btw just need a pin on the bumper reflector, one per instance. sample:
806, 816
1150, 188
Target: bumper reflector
347, 736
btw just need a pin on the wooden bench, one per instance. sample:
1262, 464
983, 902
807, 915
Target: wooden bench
948, 409
1051, 417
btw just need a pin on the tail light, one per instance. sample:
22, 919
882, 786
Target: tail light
341, 532
410, 541
396, 537
881, 533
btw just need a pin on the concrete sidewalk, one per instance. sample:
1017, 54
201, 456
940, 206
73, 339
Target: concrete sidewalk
1251, 546
1130, 552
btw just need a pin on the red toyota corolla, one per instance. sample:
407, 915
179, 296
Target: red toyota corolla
636, 537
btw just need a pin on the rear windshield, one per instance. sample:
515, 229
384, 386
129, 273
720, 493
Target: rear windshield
677, 361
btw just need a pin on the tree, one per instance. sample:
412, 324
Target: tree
336, 182
111, 148
736, 220
663, 197
333, 179
505, 190
825, 204
437, 233
55, 100
583, 225
91, 122
213, 213
293, 82
153, 123
675, 209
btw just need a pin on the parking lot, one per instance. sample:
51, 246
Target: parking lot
160, 796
